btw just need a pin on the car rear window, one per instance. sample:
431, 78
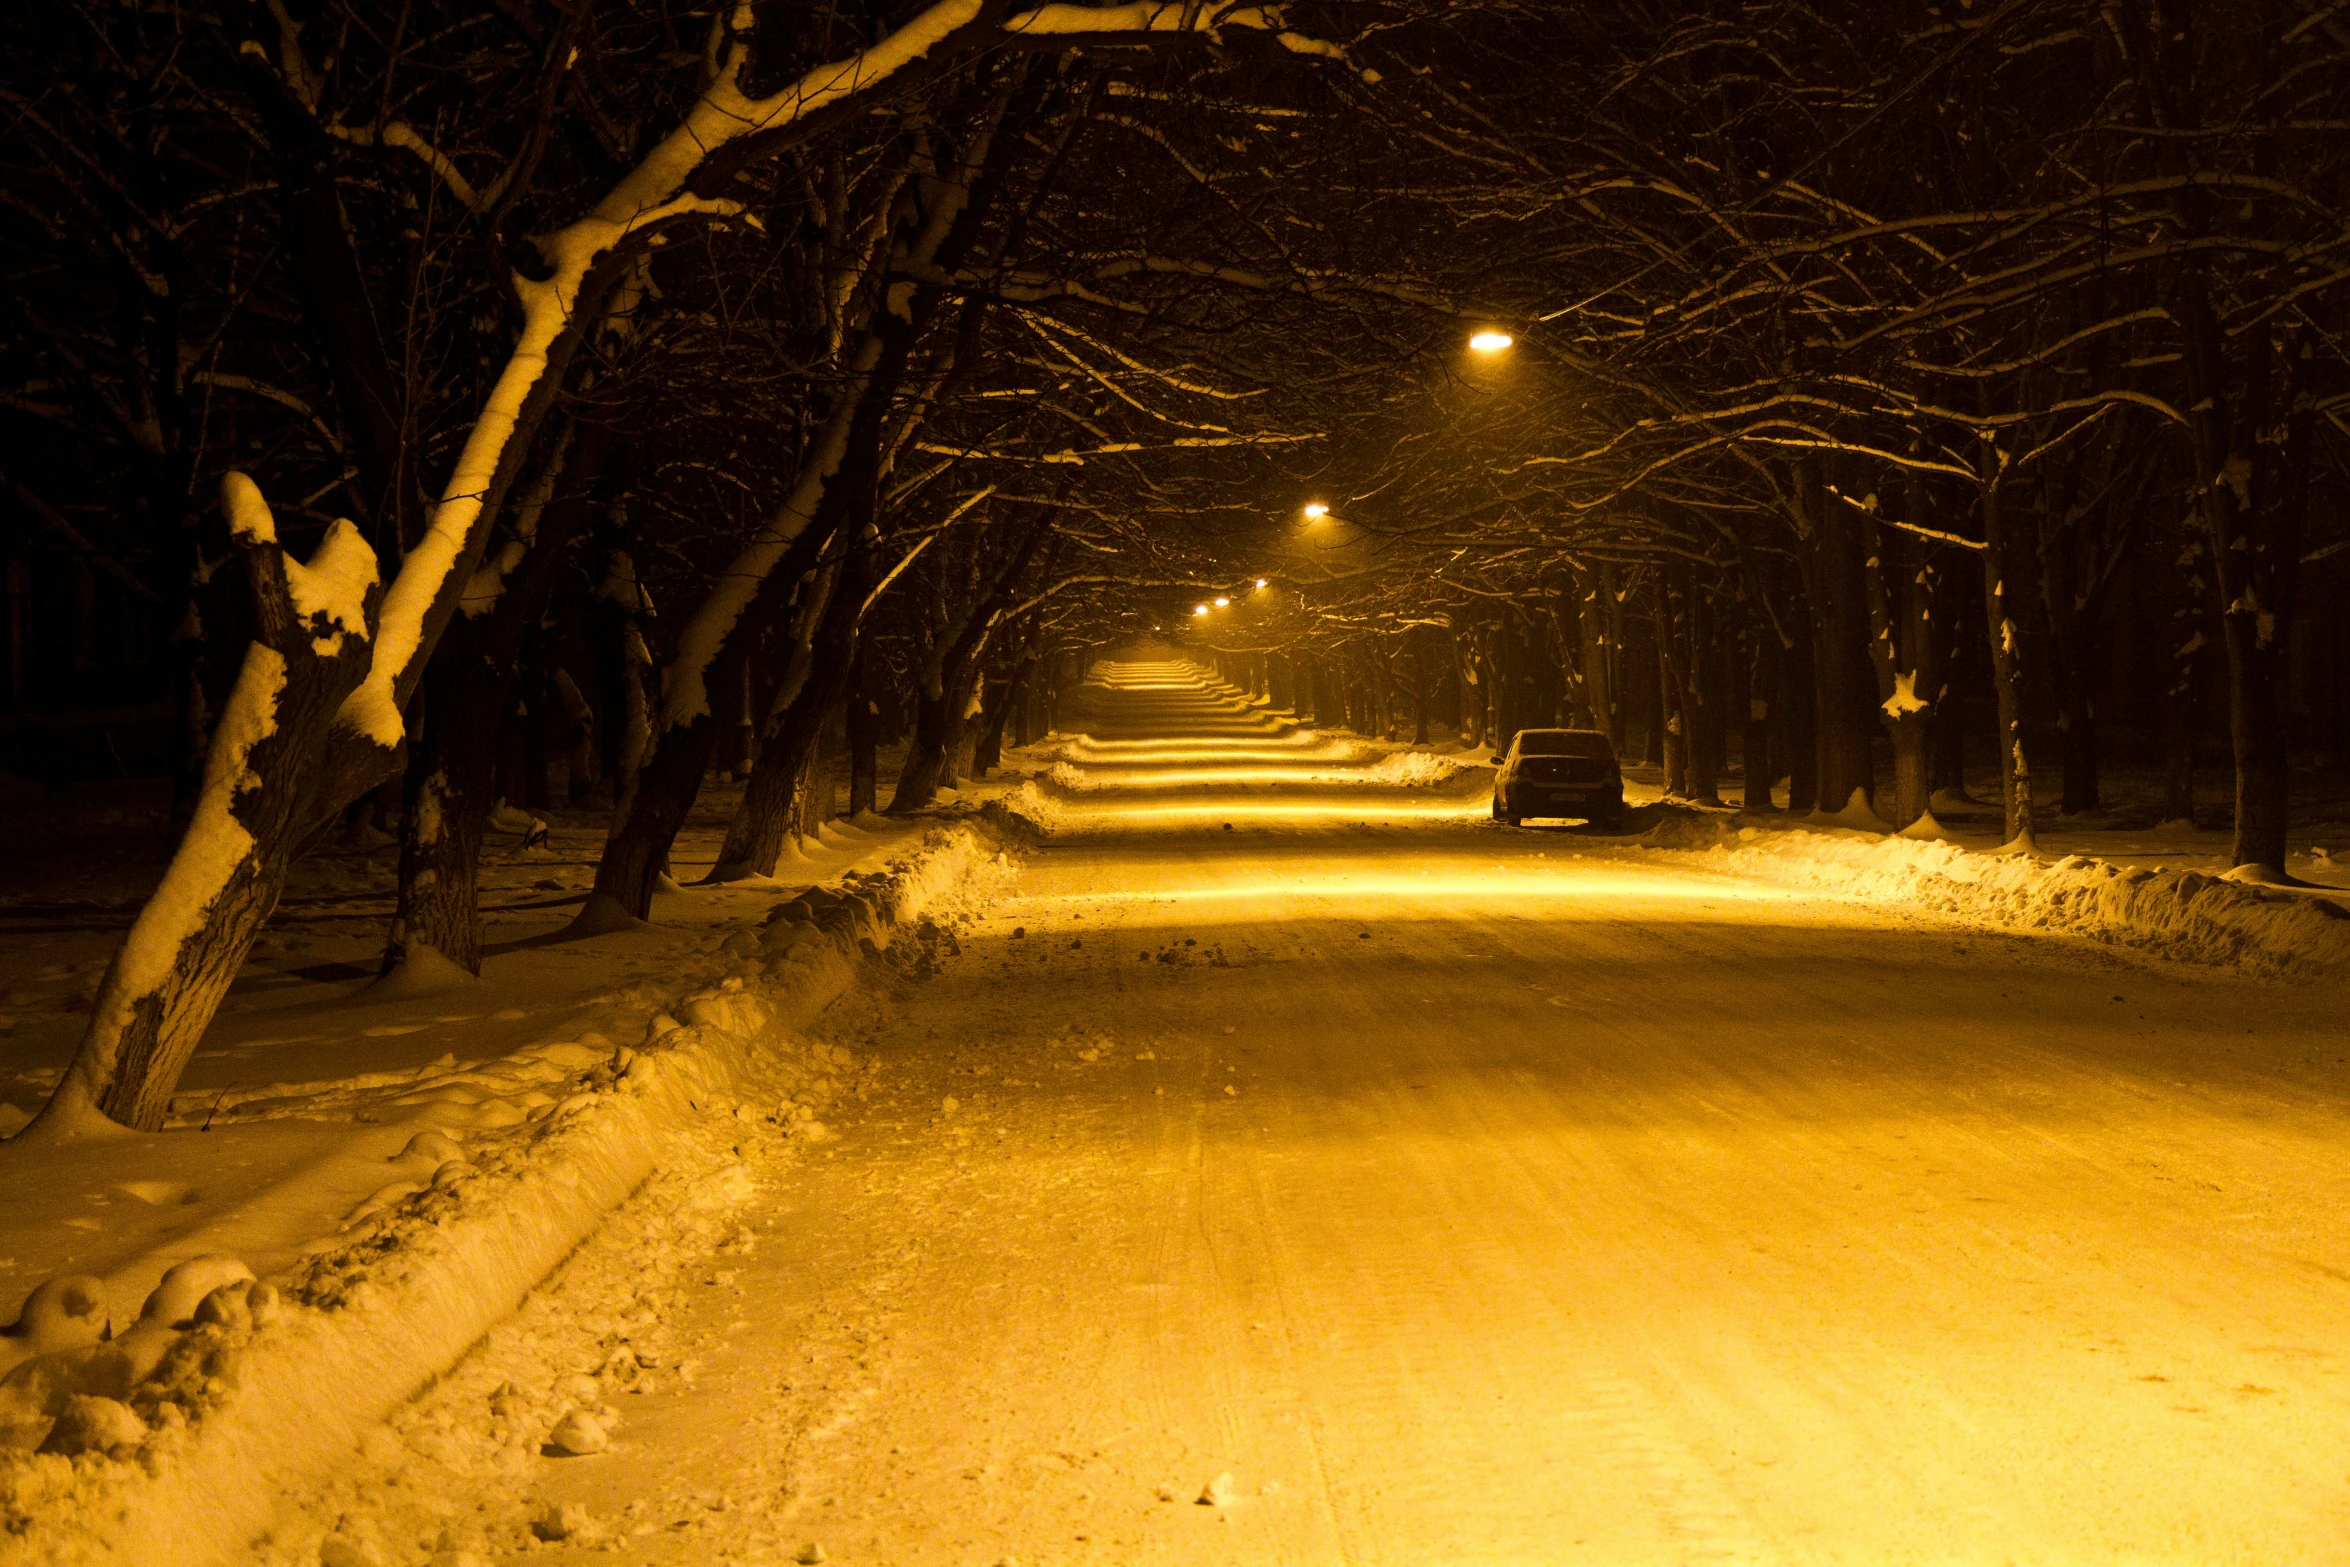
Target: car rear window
1563, 742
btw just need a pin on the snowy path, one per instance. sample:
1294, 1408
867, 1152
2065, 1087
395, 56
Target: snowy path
1476, 1196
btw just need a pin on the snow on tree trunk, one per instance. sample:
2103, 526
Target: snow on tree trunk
168, 977
2253, 431
1904, 648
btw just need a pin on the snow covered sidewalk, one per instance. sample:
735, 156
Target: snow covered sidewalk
395, 1214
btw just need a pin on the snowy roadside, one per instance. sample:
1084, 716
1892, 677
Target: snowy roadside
171, 1439
2179, 911
2180, 914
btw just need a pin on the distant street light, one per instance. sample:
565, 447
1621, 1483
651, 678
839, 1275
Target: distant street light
1199, 609
1221, 603
1490, 342
1260, 582
1316, 509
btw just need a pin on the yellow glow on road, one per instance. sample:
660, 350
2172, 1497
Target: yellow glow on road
1299, 747
1285, 773
1564, 895
1348, 809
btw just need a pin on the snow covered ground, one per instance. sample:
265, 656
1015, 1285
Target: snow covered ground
1310, 1169
399, 1163
1309, 1174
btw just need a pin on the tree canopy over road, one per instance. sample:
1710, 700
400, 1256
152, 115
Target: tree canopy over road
441, 383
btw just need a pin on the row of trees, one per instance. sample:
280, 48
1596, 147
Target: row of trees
780, 365
1854, 341
633, 377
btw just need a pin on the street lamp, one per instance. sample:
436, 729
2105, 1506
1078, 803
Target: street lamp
1490, 341
1315, 510
1222, 603
1199, 609
1260, 582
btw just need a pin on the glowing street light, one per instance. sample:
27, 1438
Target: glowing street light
1316, 509
1260, 582
1221, 603
1491, 342
1199, 609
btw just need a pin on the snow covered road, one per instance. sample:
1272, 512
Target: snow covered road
1305, 1174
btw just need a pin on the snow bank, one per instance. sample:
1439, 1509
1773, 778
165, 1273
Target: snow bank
1412, 768
2176, 914
172, 1440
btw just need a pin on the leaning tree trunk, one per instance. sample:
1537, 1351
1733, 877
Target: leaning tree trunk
813, 685
256, 806
989, 753
938, 726
636, 855
469, 693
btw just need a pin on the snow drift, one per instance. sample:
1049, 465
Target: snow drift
170, 1440
2179, 914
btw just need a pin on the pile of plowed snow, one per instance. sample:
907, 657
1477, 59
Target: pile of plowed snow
2179, 914
168, 1438
1412, 769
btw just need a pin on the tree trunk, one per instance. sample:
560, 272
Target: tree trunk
255, 809
1591, 634
2253, 421
470, 733
1799, 716
1464, 658
2188, 639
1947, 744
864, 726
1672, 709
1835, 581
1702, 695
937, 728
2073, 615
1419, 687
1762, 679
1904, 647
2007, 652
445, 803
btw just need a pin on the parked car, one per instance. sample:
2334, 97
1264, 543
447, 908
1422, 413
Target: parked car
1559, 772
